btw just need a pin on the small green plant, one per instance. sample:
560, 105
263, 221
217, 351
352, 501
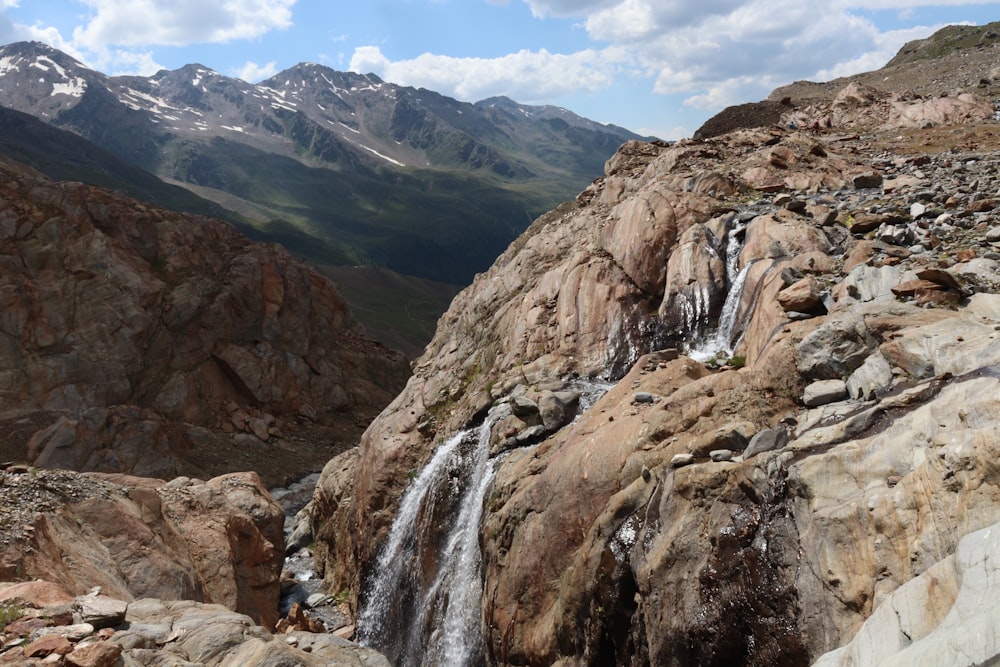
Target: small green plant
738, 361
342, 596
9, 613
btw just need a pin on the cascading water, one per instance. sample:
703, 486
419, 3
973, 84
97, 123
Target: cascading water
725, 337
422, 603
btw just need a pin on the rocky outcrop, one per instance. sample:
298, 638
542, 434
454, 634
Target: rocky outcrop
148, 342
942, 617
218, 541
754, 509
97, 630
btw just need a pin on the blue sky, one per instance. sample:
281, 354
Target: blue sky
659, 67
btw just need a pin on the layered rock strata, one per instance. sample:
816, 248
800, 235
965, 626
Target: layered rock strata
715, 512
141, 341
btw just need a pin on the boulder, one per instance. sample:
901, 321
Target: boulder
822, 392
767, 440
218, 541
872, 376
835, 348
801, 296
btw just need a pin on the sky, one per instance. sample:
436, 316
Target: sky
656, 67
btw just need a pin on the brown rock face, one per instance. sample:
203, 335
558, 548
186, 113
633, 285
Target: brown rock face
638, 533
219, 541
139, 333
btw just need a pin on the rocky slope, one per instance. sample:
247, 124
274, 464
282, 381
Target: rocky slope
141, 341
719, 505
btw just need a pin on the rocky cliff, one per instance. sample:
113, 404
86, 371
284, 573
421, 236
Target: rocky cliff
801, 324
142, 341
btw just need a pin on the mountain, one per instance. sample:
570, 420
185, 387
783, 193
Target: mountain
379, 174
140, 340
738, 403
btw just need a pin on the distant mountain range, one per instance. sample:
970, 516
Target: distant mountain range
344, 169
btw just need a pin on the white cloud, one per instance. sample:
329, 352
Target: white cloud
251, 72
721, 52
527, 76
129, 62
182, 22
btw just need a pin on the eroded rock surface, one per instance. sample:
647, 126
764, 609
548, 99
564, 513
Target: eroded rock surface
147, 342
753, 508
218, 541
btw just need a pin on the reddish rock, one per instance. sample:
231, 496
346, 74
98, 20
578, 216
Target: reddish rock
38, 593
912, 287
96, 654
801, 296
160, 319
47, 644
217, 541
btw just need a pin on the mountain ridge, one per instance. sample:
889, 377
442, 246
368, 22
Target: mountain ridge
393, 157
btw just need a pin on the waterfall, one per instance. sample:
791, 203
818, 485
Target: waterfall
724, 339
422, 604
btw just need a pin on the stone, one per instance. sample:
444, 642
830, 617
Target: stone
766, 441
47, 644
869, 179
802, 296
910, 288
822, 392
719, 455
557, 408
101, 611
834, 349
872, 376
317, 599
681, 460
95, 654
74, 632
643, 397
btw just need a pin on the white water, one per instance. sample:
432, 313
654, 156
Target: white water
726, 336
397, 607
